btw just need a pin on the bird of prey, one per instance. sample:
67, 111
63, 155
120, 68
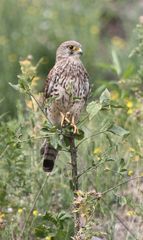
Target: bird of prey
66, 89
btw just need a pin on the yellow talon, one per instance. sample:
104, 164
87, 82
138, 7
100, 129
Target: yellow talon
75, 129
67, 117
64, 118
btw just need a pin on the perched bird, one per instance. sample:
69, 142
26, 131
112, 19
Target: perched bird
66, 89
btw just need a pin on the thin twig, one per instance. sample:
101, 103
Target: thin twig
125, 226
90, 168
121, 221
31, 224
1, 155
73, 152
39, 62
32, 208
85, 139
82, 121
96, 165
118, 185
39, 105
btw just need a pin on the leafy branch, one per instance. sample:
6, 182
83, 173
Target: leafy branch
64, 138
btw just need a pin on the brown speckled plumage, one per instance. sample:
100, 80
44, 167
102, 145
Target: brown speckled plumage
67, 85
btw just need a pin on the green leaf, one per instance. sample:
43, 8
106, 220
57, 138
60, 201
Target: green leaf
105, 98
122, 201
122, 162
22, 86
106, 66
55, 141
116, 62
41, 231
110, 159
1, 100
117, 130
71, 184
123, 170
66, 140
48, 129
79, 135
15, 86
50, 217
63, 216
117, 106
3, 115
129, 71
93, 108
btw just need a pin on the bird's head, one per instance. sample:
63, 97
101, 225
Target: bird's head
69, 49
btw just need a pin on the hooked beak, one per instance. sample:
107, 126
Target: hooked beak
78, 50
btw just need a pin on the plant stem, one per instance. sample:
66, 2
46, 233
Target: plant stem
39, 105
73, 152
32, 208
75, 184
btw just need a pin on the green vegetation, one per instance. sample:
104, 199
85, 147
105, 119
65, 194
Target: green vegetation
34, 205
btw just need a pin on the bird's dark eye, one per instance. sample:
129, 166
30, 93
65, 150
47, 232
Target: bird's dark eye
71, 47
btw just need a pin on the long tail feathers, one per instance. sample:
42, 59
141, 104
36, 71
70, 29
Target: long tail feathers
49, 155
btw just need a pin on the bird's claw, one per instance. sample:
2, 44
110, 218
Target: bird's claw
66, 118
75, 129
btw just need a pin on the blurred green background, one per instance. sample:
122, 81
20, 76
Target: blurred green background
33, 27
107, 31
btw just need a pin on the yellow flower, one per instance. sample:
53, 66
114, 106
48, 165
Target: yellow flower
34, 81
94, 30
106, 169
2, 220
25, 62
48, 238
80, 193
114, 95
131, 149
27, 68
129, 103
130, 111
118, 42
130, 173
35, 213
32, 103
97, 151
131, 213
29, 104
2, 215
20, 210
136, 158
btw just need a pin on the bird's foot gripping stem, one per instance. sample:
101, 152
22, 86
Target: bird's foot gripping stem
64, 118
75, 129
70, 120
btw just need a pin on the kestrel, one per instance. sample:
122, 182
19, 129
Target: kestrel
66, 91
